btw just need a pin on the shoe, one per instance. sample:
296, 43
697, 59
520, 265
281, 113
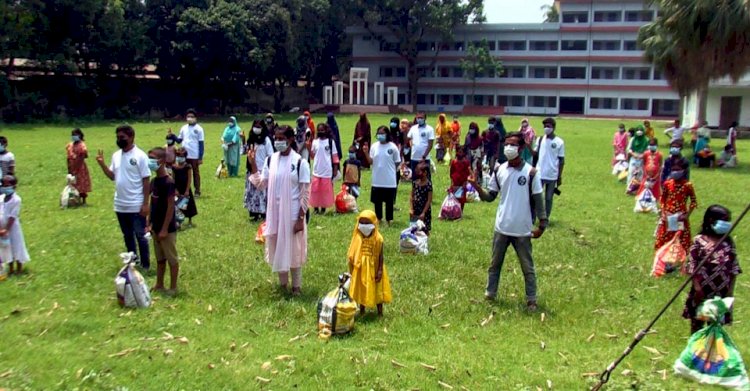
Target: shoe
531, 306
489, 297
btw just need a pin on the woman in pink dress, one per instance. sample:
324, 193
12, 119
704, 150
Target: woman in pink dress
77, 155
652, 160
620, 143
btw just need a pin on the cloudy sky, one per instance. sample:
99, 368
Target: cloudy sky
514, 11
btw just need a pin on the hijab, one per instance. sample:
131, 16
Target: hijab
372, 244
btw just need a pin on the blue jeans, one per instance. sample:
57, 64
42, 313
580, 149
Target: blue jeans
522, 245
133, 227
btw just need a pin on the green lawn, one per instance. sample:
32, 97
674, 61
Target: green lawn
62, 328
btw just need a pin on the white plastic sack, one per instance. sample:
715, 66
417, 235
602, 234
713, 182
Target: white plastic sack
645, 202
132, 290
70, 196
414, 240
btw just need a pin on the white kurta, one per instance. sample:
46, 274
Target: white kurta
12, 208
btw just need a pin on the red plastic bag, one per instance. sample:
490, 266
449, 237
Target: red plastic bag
345, 202
259, 238
451, 208
669, 257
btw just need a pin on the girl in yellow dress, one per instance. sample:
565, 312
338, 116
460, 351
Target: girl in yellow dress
370, 286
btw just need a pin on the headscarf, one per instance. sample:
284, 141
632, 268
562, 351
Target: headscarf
443, 128
272, 124
363, 129
639, 144
395, 133
331, 121
232, 132
528, 134
310, 123
371, 244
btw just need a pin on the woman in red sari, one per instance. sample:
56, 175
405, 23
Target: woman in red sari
77, 155
362, 137
674, 200
652, 160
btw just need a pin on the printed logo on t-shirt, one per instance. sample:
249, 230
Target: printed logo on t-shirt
390, 151
328, 149
423, 134
522, 181
195, 130
133, 162
554, 145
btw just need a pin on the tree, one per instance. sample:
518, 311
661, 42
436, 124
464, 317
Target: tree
480, 63
551, 13
696, 41
400, 25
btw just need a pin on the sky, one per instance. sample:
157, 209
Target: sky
514, 11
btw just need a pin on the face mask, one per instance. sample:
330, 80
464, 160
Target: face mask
269, 120
366, 229
677, 175
472, 131
407, 150
122, 143
420, 121
7, 190
491, 126
2, 148
381, 138
180, 160
511, 151
192, 121
652, 148
75, 138
281, 146
153, 164
352, 155
548, 131
674, 151
307, 118
393, 125
639, 133
230, 124
170, 142
622, 130
257, 130
721, 227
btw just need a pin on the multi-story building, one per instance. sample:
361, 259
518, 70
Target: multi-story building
587, 64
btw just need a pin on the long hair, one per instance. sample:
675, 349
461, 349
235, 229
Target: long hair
253, 138
713, 213
385, 130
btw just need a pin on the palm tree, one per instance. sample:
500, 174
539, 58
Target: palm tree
696, 41
551, 13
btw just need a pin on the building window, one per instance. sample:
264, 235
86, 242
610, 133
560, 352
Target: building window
444, 71
425, 99
606, 45
457, 99
572, 72
542, 45
511, 100
386, 72
425, 46
636, 73
603, 103
543, 72
490, 44
444, 99
425, 72
511, 45
658, 75
575, 17
607, 16
574, 45
634, 104
458, 46
400, 72
513, 73
389, 46
630, 46
367, 38
639, 16
458, 72
543, 101
605, 73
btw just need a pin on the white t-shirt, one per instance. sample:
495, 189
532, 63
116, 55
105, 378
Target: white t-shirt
129, 168
385, 159
262, 152
191, 136
550, 153
323, 164
514, 210
7, 161
303, 177
731, 134
676, 132
420, 140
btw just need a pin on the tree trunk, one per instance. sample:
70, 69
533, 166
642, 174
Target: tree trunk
702, 96
413, 79
278, 95
9, 71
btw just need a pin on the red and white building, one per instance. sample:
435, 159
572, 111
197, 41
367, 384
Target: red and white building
587, 64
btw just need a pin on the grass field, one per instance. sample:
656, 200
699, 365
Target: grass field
62, 328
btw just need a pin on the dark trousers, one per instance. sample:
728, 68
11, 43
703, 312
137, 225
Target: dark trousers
196, 174
380, 196
133, 227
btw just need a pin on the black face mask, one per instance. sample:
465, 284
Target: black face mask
122, 143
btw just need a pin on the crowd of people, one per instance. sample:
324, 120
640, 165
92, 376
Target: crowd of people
667, 180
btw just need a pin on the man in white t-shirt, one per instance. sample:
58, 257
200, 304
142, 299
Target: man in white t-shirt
421, 137
7, 159
130, 171
675, 131
193, 139
518, 184
384, 158
550, 150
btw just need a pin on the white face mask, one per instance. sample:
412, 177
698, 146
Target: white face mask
366, 229
511, 151
281, 146
548, 131
257, 130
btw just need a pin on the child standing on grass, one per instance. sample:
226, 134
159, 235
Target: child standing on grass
10, 226
421, 197
674, 200
325, 168
162, 222
353, 172
370, 286
183, 174
460, 171
7, 159
718, 274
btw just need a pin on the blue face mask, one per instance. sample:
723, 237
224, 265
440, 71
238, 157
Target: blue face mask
352, 155
674, 151
75, 138
491, 126
2, 148
153, 164
420, 121
7, 190
721, 227
381, 137
677, 175
394, 125
652, 148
